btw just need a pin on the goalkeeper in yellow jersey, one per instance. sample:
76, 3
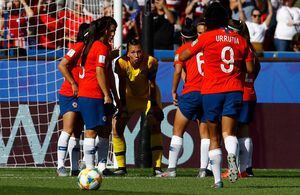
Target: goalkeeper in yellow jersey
138, 93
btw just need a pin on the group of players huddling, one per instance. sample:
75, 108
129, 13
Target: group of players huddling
218, 68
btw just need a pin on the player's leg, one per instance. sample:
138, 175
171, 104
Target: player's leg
62, 144
68, 110
213, 105
119, 146
231, 110
74, 145
245, 141
189, 108
204, 148
92, 111
103, 147
180, 123
154, 116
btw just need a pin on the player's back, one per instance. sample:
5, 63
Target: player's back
88, 83
192, 68
225, 52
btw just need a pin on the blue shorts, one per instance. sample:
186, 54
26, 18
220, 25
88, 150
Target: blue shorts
67, 104
222, 104
247, 112
190, 105
92, 111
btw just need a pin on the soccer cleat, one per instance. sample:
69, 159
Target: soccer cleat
157, 171
202, 173
249, 172
120, 172
167, 174
225, 174
74, 173
218, 185
107, 172
233, 168
243, 174
81, 165
62, 172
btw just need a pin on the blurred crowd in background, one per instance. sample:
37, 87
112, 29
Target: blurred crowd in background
274, 25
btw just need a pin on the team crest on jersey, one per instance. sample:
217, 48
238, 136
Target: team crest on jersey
104, 118
74, 104
71, 52
101, 59
194, 42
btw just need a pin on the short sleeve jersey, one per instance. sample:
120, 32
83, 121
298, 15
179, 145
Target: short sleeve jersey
192, 68
88, 83
225, 52
137, 78
72, 56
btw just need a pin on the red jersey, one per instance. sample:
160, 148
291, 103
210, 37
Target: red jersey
193, 70
88, 84
249, 91
72, 56
226, 52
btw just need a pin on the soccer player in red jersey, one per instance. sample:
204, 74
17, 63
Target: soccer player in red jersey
190, 103
93, 83
225, 52
72, 121
247, 112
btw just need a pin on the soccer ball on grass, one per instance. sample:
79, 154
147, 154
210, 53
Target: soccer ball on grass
89, 179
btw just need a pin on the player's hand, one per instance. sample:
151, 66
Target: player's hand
107, 99
175, 99
74, 89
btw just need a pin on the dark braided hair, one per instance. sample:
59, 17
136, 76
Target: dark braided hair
96, 30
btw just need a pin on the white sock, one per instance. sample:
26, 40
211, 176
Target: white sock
249, 148
102, 150
175, 147
215, 157
89, 152
231, 144
204, 148
62, 147
74, 152
243, 155
209, 165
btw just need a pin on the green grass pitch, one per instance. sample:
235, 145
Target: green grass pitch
139, 181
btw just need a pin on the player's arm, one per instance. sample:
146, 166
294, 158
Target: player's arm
63, 68
176, 79
101, 78
250, 67
101, 74
112, 85
196, 47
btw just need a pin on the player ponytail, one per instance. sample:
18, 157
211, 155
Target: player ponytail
82, 32
98, 28
189, 31
215, 16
